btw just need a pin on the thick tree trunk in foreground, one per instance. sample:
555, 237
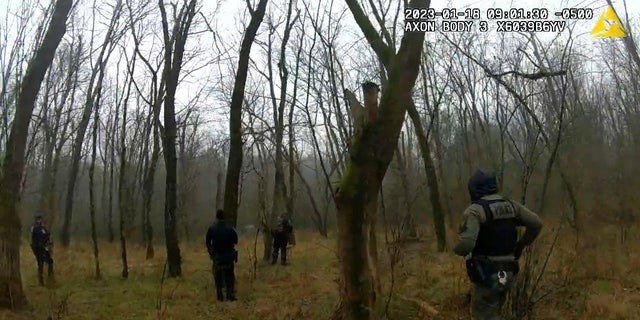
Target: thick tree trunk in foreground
234, 164
370, 156
11, 291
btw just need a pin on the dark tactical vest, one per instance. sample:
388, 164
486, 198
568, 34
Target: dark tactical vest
498, 234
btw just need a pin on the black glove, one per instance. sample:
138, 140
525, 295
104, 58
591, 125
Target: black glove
517, 252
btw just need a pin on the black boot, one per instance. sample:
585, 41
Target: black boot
219, 295
40, 276
231, 294
50, 276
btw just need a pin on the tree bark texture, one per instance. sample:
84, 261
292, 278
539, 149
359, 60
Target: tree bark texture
369, 159
11, 290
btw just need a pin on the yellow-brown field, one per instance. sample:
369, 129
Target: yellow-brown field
603, 282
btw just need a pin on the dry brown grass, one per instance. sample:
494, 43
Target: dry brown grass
601, 283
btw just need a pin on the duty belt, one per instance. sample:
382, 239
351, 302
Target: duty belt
509, 266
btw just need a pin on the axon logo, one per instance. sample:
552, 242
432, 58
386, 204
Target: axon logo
608, 26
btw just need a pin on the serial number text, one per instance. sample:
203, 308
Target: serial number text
531, 26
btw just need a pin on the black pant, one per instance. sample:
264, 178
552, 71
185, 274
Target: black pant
42, 256
224, 277
283, 254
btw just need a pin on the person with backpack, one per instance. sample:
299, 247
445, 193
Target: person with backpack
282, 236
489, 240
41, 246
221, 240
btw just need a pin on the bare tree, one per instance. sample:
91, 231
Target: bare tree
234, 164
12, 294
156, 95
56, 127
278, 104
370, 155
94, 88
432, 179
174, 46
628, 41
92, 206
188, 172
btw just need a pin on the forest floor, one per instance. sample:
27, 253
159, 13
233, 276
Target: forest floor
603, 282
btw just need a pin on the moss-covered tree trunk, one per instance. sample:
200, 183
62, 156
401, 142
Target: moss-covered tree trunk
372, 151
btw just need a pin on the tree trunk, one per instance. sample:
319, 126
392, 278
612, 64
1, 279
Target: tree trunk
124, 192
317, 218
280, 188
408, 227
105, 174
112, 161
370, 156
174, 46
432, 178
92, 206
149, 186
55, 139
291, 204
219, 189
11, 290
234, 164
628, 41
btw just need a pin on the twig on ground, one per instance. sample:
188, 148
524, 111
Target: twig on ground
159, 302
422, 305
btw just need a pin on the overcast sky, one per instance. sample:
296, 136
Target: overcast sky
229, 25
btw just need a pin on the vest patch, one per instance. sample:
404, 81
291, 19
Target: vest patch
502, 210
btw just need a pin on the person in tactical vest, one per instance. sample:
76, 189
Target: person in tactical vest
489, 241
221, 241
41, 246
282, 236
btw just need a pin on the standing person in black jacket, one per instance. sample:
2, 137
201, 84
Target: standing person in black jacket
41, 246
282, 236
221, 241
